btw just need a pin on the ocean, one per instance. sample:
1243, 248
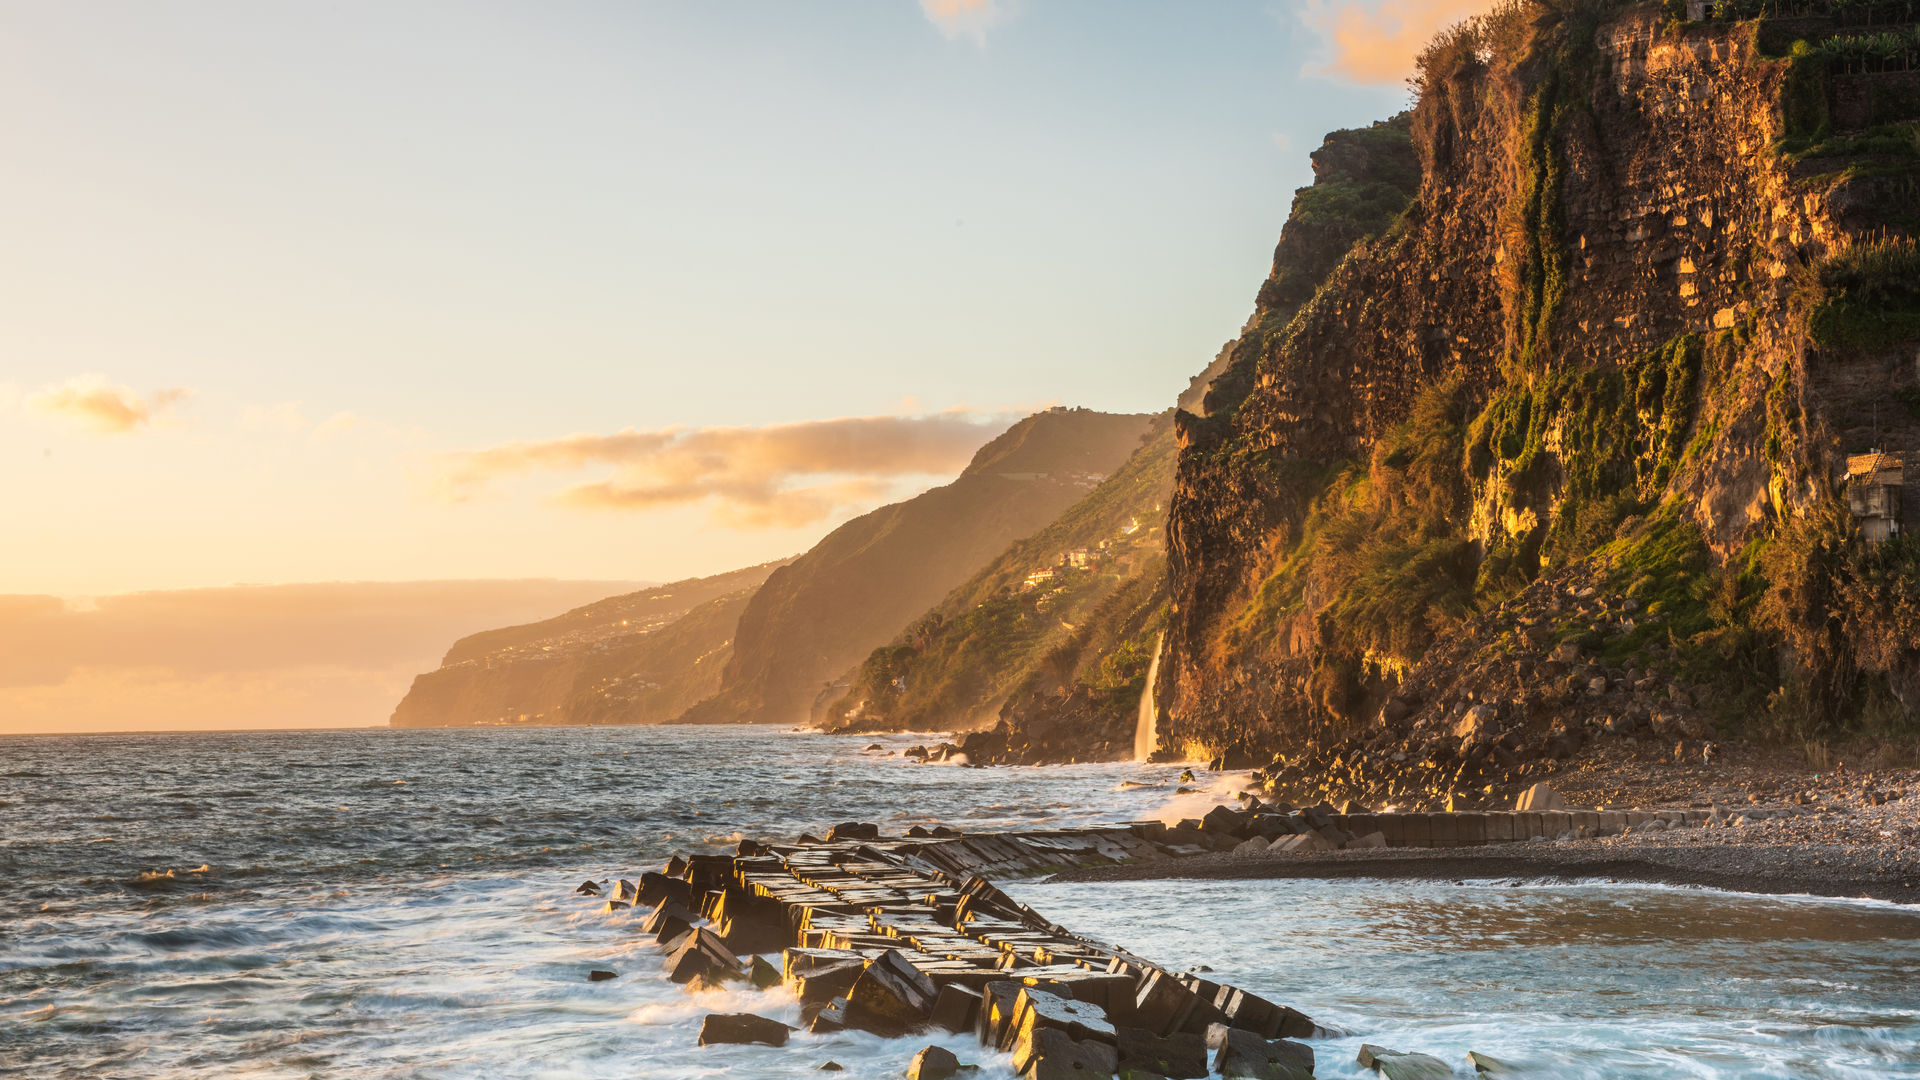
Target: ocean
382, 903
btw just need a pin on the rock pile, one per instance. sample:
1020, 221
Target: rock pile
895, 937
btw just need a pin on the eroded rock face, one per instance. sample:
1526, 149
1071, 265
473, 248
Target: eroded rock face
1581, 206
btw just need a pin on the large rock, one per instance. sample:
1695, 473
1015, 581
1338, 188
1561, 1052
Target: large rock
1539, 797
933, 1063
1055, 1055
1395, 1065
702, 956
1179, 1056
1485, 1065
742, 1028
1480, 724
891, 997
1247, 1056
956, 1008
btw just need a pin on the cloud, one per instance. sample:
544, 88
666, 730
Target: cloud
967, 18
778, 476
1376, 41
93, 402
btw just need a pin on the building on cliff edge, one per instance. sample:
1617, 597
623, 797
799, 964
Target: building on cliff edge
1874, 481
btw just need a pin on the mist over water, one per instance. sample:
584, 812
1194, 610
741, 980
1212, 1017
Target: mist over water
397, 903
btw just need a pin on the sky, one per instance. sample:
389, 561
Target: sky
606, 289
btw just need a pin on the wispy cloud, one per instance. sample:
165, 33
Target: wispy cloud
967, 18
94, 403
1375, 41
777, 476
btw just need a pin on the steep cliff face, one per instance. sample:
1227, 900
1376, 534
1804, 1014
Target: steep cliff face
1063, 609
818, 617
640, 658
1601, 350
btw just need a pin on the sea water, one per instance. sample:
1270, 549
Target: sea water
378, 903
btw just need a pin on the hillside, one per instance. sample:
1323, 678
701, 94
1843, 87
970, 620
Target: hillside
1033, 605
633, 659
1560, 460
823, 613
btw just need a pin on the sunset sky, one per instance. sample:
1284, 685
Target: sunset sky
308, 292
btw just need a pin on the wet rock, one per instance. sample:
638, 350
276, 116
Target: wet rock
612, 906
1395, 1065
831, 1018
762, 974
624, 890
891, 997
956, 1008
823, 983
1491, 1066
1162, 1005
1242, 1054
704, 957
875, 746
676, 867
1180, 1056
933, 1063
655, 887
741, 1028
831, 1066
1036, 1010
588, 888
599, 975
1055, 1055
668, 921
854, 830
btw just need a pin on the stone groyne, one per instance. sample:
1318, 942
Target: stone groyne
901, 935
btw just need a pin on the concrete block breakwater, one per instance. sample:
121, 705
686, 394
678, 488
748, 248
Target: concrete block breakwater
896, 936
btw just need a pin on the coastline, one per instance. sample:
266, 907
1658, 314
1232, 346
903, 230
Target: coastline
1886, 872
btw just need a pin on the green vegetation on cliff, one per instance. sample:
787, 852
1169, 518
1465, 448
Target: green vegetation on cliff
1046, 611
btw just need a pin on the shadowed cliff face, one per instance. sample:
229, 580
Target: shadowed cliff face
1597, 349
853, 591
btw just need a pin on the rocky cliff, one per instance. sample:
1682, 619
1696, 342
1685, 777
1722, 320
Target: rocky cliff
640, 658
822, 614
1071, 610
1559, 454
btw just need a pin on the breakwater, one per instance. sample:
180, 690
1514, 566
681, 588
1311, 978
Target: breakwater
896, 936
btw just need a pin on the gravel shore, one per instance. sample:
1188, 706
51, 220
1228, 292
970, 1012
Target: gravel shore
1860, 851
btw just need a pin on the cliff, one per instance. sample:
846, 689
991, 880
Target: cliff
820, 615
639, 658
1559, 454
1063, 608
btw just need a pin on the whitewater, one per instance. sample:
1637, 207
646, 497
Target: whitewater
381, 903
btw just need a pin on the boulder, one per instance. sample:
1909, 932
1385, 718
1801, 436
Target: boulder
612, 906
1395, 1065
933, 1063
624, 890
762, 974
1162, 1005
831, 1066
1055, 1055
1225, 820
1491, 1066
1538, 798
854, 830
1243, 1054
1179, 1056
1036, 1010
830, 1018
891, 997
599, 975
704, 957
1374, 839
1251, 847
1480, 724
655, 887
739, 1028
824, 982
668, 921
588, 888
956, 1008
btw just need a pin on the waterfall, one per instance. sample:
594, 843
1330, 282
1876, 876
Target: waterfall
1144, 734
